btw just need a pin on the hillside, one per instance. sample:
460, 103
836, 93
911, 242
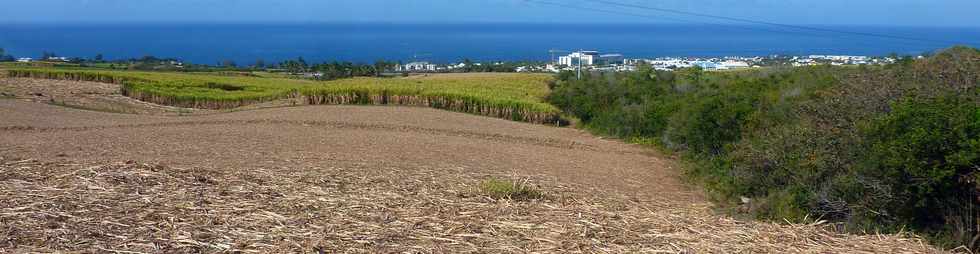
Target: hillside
357, 179
875, 148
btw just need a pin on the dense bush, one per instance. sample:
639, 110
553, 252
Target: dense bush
709, 123
925, 155
874, 147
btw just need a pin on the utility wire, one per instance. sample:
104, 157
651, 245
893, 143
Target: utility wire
612, 3
582, 8
624, 13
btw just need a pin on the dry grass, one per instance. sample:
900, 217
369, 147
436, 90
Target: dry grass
132, 207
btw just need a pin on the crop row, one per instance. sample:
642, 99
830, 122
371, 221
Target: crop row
511, 96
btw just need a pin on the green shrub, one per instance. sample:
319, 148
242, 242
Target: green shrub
790, 204
792, 140
513, 190
709, 124
926, 153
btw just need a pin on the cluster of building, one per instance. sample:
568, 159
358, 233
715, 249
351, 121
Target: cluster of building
593, 60
723, 63
838, 60
50, 59
422, 66
416, 67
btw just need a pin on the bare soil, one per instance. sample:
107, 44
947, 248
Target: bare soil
103, 97
83, 95
353, 179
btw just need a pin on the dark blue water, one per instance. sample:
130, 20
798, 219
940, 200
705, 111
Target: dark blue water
445, 43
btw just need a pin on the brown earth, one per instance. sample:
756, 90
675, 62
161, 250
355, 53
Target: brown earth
87, 95
351, 179
102, 97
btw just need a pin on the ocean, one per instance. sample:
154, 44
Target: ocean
443, 43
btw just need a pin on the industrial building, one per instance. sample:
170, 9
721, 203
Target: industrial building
416, 66
589, 58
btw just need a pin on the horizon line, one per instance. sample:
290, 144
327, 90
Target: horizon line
432, 23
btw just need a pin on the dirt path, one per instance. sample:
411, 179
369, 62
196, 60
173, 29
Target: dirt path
357, 179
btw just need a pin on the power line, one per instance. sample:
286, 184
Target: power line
916, 43
582, 8
612, 3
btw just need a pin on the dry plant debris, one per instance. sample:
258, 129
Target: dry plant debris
130, 207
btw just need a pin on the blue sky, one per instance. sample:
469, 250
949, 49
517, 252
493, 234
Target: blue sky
856, 12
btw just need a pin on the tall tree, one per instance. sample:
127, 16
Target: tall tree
379, 67
302, 63
4, 57
47, 55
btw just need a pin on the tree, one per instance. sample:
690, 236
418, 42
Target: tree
4, 57
380, 66
149, 59
467, 65
47, 55
293, 66
229, 63
260, 63
302, 62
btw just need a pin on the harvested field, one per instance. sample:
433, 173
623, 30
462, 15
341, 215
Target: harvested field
355, 179
511, 96
85, 95
105, 97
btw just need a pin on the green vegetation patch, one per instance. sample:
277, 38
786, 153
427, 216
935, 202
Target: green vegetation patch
514, 190
878, 148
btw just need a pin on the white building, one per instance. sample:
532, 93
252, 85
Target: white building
590, 58
552, 68
669, 63
587, 58
457, 66
707, 65
732, 64
626, 68
25, 59
417, 66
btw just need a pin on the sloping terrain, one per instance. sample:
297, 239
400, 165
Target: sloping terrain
514, 96
354, 179
87, 95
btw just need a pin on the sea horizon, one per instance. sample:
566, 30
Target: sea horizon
246, 42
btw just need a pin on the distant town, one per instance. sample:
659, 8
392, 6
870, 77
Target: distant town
595, 61
584, 60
